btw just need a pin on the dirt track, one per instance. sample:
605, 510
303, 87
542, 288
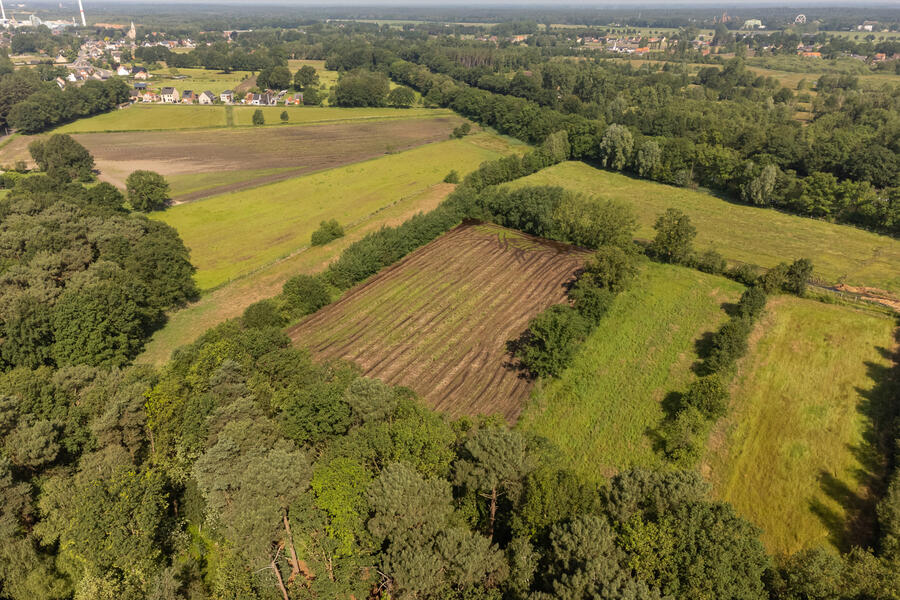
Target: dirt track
438, 321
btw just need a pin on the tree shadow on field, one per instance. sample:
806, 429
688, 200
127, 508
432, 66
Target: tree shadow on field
879, 405
704, 344
514, 364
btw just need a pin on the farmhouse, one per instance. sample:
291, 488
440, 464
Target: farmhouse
140, 73
227, 96
206, 97
188, 97
265, 99
170, 95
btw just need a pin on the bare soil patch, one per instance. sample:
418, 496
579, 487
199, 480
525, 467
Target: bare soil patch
438, 320
309, 147
303, 148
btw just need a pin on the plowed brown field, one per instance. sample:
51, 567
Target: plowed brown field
438, 320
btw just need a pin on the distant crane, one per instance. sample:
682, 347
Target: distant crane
800, 20
81, 9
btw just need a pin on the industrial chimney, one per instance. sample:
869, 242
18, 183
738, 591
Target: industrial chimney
2, 10
81, 9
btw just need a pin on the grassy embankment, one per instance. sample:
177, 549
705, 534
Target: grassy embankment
799, 449
760, 236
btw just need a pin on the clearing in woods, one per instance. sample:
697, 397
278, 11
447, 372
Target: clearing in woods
601, 413
438, 320
799, 452
742, 233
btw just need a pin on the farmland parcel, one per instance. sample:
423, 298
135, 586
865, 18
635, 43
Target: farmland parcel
438, 321
233, 234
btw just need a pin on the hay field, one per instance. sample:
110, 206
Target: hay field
799, 450
761, 236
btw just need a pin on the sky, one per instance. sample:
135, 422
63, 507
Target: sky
620, 4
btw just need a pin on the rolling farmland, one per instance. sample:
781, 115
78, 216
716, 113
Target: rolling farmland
233, 234
805, 404
251, 156
761, 236
438, 321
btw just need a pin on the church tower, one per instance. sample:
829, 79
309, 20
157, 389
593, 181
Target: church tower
132, 33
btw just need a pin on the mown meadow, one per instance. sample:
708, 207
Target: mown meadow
800, 448
159, 117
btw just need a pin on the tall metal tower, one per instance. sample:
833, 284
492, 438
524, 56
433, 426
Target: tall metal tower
81, 9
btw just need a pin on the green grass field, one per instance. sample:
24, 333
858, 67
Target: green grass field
198, 80
156, 117
233, 234
243, 115
194, 182
601, 411
796, 453
149, 117
743, 233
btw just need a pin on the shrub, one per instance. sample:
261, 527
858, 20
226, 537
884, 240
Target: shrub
461, 131
683, 437
327, 231
592, 223
774, 279
610, 268
745, 274
258, 118
549, 344
708, 395
710, 261
452, 177
728, 345
262, 314
284, 116
305, 294
752, 303
591, 301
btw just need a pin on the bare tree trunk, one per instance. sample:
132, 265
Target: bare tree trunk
274, 566
295, 564
493, 513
